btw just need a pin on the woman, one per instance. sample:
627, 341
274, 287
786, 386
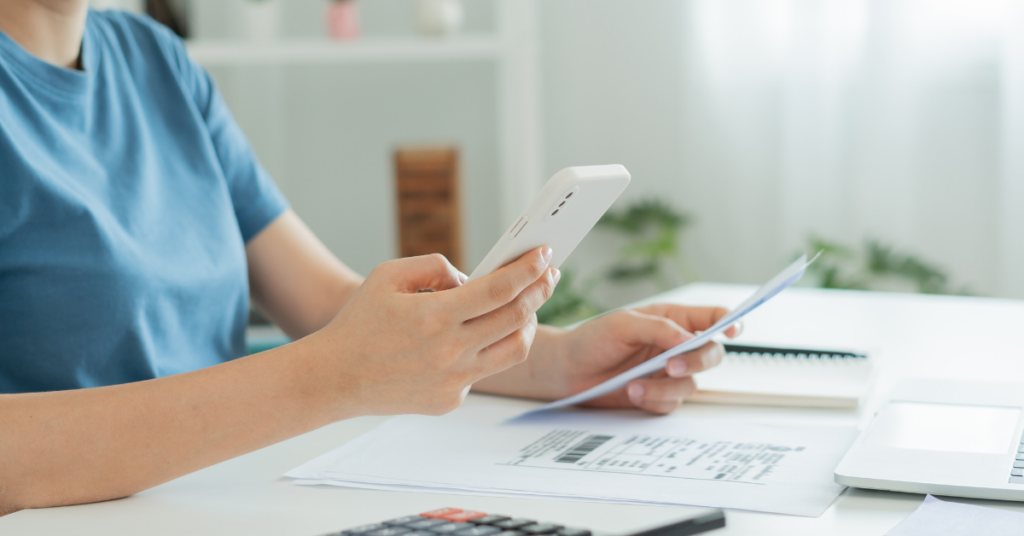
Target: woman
134, 223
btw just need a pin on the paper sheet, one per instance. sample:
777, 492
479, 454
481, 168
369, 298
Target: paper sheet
777, 284
941, 518
622, 456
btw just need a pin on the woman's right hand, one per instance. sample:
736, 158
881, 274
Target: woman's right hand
393, 349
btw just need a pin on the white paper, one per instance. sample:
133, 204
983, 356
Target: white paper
941, 518
777, 284
624, 456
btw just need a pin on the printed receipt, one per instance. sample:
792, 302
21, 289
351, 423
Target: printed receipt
676, 457
592, 455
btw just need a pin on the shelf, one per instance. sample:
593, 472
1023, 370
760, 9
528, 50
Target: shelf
362, 51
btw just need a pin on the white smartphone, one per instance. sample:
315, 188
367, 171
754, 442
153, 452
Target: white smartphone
559, 216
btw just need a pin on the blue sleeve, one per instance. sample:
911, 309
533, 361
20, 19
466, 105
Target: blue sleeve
256, 199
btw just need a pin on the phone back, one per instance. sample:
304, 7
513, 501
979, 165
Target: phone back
559, 216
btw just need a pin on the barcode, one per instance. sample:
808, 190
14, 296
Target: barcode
583, 448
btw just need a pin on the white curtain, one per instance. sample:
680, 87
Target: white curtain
901, 120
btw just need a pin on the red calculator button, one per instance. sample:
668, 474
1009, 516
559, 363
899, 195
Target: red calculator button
462, 517
441, 513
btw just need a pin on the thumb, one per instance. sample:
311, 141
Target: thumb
426, 272
640, 328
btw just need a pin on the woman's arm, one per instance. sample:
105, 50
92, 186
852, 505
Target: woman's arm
294, 279
89, 445
390, 350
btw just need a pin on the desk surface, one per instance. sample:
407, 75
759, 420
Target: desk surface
912, 335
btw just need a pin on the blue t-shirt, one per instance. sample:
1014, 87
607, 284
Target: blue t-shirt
127, 193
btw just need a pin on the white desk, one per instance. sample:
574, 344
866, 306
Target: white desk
944, 337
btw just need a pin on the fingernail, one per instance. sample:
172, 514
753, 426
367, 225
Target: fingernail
739, 329
463, 277
676, 368
558, 275
545, 253
636, 393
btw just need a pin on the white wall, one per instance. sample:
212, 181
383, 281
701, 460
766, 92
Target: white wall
612, 84
687, 95
771, 120
326, 132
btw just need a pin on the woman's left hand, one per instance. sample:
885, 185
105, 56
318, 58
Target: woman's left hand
563, 363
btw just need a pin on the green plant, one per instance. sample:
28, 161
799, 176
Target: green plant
569, 302
653, 228
843, 267
837, 267
882, 260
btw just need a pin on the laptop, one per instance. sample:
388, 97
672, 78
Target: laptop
955, 438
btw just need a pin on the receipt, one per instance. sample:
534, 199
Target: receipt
690, 458
775, 285
608, 456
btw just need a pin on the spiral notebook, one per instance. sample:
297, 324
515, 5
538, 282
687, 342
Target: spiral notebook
773, 376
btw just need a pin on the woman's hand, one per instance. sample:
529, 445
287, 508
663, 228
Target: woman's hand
564, 363
393, 349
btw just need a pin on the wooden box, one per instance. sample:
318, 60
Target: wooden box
427, 187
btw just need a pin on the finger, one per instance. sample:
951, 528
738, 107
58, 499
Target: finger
690, 318
636, 328
494, 290
506, 319
507, 352
414, 274
661, 395
690, 363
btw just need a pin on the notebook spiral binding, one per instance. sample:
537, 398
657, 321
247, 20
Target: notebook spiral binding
739, 350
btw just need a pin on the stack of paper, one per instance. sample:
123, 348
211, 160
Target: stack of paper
623, 456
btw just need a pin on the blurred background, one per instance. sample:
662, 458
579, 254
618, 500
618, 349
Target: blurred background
888, 133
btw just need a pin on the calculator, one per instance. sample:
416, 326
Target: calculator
459, 522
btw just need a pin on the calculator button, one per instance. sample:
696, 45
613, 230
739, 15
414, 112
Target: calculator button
450, 528
540, 528
441, 512
479, 530
573, 532
1020, 448
514, 523
514, 533
387, 531
489, 520
363, 529
1018, 463
464, 516
419, 533
1017, 479
425, 524
404, 520
1017, 472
